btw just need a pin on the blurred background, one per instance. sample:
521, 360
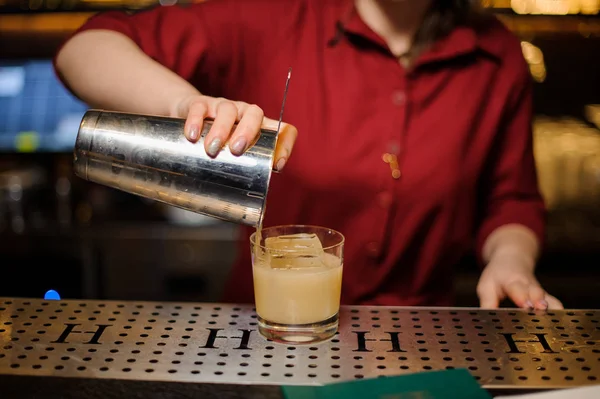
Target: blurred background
90, 241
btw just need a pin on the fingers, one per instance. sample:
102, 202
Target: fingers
532, 296
518, 292
285, 142
225, 115
249, 118
553, 303
537, 297
489, 294
198, 110
285, 145
247, 129
499, 280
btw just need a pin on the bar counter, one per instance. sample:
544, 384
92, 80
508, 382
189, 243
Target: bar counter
85, 348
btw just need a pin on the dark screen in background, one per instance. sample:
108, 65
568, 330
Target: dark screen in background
36, 112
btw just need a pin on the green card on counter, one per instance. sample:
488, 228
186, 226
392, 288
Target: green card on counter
449, 384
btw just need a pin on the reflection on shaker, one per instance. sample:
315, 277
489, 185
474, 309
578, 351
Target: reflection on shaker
150, 157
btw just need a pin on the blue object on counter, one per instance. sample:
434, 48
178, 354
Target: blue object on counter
52, 295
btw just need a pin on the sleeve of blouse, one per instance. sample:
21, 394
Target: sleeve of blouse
509, 190
197, 42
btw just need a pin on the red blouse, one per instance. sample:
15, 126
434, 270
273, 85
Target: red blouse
457, 123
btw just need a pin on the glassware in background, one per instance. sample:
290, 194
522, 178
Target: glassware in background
566, 151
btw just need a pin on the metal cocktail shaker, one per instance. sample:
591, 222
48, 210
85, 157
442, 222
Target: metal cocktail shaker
149, 156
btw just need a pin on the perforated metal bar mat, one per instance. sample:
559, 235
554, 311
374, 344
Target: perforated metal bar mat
220, 343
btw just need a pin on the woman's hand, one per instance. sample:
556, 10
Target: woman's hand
226, 113
510, 274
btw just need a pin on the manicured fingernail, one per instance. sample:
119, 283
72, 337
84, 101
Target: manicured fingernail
280, 164
194, 129
543, 304
214, 147
239, 146
529, 305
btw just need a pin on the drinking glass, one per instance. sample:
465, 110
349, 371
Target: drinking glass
297, 274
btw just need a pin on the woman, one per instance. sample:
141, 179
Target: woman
414, 120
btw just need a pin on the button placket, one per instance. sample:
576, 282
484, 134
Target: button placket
373, 249
392, 160
385, 198
398, 97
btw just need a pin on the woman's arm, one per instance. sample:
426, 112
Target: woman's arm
146, 63
106, 69
512, 238
512, 223
510, 254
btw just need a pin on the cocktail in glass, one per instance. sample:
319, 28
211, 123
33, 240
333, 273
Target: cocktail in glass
297, 282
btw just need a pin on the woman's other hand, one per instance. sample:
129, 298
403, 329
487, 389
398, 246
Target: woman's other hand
225, 113
510, 275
